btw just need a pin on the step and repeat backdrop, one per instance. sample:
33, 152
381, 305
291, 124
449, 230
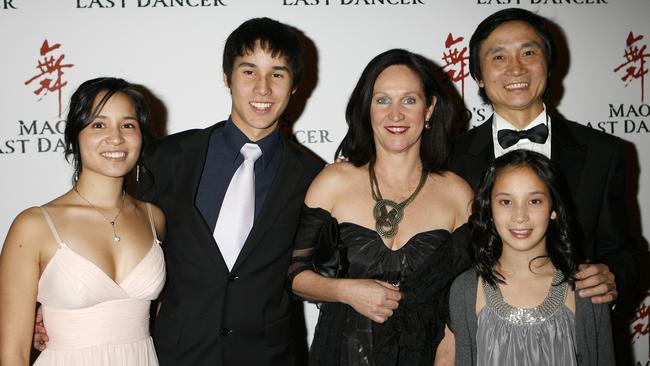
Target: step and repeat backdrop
173, 48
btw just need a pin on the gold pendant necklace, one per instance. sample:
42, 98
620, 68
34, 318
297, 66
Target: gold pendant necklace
388, 214
116, 238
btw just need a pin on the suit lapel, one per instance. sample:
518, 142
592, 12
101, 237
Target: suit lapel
190, 168
281, 191
480, 154
568, 153
482, 140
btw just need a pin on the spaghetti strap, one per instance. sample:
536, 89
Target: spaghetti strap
153, 227
51, 225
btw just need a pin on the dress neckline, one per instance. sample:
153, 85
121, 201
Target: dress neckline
406, 243
98, 269
554, 300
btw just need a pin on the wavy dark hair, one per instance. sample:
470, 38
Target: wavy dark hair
358, 145
81, 113
563, 238
277, 38
489, 24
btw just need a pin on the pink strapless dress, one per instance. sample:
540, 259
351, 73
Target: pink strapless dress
91, 319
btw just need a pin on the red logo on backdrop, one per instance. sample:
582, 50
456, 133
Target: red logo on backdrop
641, 322
50, 67
455, 61
634, 67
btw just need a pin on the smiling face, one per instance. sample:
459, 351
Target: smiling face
514, 71
521, 209
261, 86
399, 110
110, 144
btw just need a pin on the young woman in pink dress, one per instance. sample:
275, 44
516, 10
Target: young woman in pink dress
92, 256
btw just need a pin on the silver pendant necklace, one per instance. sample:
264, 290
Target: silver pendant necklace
116, 238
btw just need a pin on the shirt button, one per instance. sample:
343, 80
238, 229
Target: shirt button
225, 332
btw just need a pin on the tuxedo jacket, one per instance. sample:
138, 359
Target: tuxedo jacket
593, 164
210, 315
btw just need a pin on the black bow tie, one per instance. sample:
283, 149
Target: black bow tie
537, 134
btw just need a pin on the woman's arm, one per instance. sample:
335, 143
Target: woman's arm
19, 275
446, 352
463, 195
159, 221
373, 299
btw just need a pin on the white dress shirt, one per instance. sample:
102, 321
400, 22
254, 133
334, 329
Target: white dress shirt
499, 123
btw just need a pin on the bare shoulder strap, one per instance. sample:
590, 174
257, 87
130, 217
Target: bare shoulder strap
51, 225
153, 227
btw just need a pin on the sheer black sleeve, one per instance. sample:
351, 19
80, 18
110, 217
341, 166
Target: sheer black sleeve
316, 246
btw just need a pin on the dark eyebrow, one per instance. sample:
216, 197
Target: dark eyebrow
531, 43
246, 64
538, 192
282, 68
494, 50
278, 68
101, 116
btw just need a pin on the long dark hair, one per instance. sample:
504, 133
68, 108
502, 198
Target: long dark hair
81, 113
358, 145
563, 239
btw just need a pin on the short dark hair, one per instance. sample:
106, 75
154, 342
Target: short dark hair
81, 113
489, 24
274, 37
563, 238
358, 145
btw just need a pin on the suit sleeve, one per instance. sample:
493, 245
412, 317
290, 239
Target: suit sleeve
146, 187
613, 242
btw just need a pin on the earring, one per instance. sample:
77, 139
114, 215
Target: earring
137, 173
76, 176
427, 126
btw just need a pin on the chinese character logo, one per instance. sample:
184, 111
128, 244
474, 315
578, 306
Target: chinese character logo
455, 61
641, 322
634, 67
50, 71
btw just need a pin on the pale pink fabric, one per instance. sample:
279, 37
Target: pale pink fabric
91, 319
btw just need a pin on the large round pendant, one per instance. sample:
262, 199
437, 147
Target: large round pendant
388, 214
116, 239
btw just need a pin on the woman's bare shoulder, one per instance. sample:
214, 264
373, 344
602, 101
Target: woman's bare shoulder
28, 230
156, 212
333, 181
456, 185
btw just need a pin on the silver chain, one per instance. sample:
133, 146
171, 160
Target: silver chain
116, 238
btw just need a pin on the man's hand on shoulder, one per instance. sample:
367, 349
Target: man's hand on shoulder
596, 281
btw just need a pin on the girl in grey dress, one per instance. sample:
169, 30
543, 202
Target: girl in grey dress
517, 306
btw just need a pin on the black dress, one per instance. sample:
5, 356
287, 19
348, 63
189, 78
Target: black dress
423, 269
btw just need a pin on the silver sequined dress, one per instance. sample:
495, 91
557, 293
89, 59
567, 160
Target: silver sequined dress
543, 335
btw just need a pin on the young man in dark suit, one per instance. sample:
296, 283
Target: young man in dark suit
225, 301
511, 57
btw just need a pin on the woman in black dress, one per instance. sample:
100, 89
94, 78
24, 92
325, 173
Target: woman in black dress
373, 244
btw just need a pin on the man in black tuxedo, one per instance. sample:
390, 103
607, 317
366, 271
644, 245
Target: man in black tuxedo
511, 57
221, 307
